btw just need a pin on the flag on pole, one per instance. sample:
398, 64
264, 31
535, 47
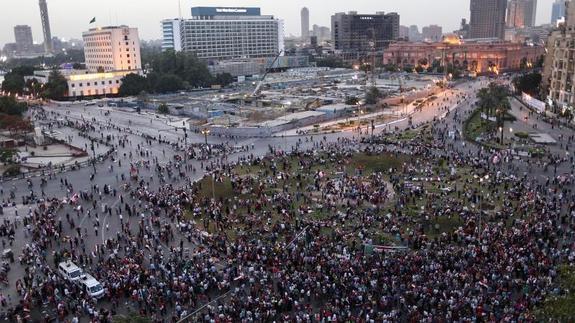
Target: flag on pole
93, 20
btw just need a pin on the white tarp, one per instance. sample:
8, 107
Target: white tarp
539, 106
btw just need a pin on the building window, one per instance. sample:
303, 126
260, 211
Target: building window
88, 84
103, 82
117, 81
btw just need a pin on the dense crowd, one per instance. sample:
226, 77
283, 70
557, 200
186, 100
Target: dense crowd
290, 241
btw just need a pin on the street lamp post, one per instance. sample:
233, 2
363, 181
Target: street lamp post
93, 153
206, 132
482, 180
185, 144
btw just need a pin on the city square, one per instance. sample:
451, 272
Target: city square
390, 176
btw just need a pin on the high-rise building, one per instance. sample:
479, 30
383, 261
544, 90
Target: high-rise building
414, 34
463, 31
558, 77
46, 26
360, 34
558, 11
404, 32
305, 24
521, 13
432, 33
322, 33
23, 37
220, 33
110, 53
172, 34
115, 48
487, 19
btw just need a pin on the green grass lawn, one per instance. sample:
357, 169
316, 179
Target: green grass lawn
332, 167
6, 155
560, 308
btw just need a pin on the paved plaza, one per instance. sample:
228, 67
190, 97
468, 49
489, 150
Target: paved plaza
403, 222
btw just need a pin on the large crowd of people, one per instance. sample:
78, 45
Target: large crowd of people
298, 237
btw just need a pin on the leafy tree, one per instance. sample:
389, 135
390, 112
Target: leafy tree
33, 87
24, 70
224, 79
133, 84
372, 95
528, 83
70, 56
331, 62
13, 83
168, 83
494, 101
185, 65
9, 106
454, 71
365, 67
163, 109
57, 85
390, 68
351, 100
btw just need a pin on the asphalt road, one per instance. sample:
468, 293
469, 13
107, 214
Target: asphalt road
109, 172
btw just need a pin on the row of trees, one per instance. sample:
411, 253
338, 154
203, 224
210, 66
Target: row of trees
11, 112
494, 103
528, 83
15, 83
69, 56
169, 72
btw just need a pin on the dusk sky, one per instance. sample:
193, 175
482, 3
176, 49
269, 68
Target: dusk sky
70, 17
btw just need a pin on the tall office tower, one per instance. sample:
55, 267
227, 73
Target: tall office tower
46, 26
414, 34
404, 32
114, 48
23, 37
358, 34
305, 24
432, 33
219, 33
487, 19
521, 13
172, 34
558, 11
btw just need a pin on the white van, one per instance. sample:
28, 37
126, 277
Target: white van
91, 286
69, 271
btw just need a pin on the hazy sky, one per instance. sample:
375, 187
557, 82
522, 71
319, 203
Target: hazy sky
69, 18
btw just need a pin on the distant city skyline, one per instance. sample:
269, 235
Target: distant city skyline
69, 21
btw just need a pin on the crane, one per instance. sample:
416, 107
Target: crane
257, 90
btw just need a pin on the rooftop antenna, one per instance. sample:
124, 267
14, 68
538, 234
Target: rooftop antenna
180, 9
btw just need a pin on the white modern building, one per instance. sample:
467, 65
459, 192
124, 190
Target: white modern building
110, 54
172, 35
220, 33
305, 25
112, 49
